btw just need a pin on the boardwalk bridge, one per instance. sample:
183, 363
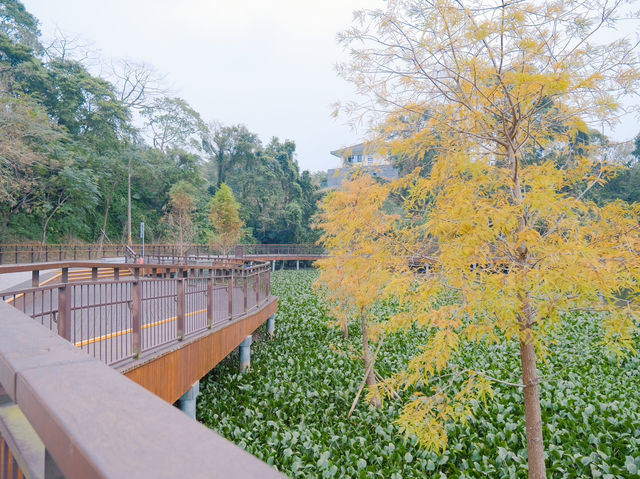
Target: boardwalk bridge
101, 340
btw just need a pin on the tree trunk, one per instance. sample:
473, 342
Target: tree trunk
129, 240
368, 359
219, 178
532, 412
45, 225
345, 330
181, 238
4, 227
106, 216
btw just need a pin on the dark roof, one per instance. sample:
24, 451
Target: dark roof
359, 149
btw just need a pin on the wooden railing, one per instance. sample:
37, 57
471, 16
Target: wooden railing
65, 415
36, 253
33, 253
122, 312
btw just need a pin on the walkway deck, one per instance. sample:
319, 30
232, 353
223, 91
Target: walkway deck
130, 317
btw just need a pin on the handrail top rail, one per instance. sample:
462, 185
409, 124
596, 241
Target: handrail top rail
56, 386
113, 245
25, 267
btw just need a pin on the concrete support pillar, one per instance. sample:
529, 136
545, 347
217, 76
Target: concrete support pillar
187, 403
273, 265
297, 264
271, 326
245, 354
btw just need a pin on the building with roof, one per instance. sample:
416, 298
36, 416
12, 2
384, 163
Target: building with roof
363, 156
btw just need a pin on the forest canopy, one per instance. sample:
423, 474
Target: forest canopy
72, 144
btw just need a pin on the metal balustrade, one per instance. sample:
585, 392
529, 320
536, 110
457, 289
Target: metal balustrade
153, 253
117, 318
116, 314
65, 415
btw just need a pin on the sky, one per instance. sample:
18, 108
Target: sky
269, 65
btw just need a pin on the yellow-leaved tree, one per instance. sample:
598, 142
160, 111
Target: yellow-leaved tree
357, 268
496, 94
225, 217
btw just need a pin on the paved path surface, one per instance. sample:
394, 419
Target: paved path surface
9, 281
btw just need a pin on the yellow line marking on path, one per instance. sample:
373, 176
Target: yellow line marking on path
106, 337
10, 300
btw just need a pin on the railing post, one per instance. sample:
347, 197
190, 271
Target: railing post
94, 274
64, 311
136, 318
35, 278
181, 304
268, 284
230, 294
210, 300
65, 275
245, 290
116, 274
257, 285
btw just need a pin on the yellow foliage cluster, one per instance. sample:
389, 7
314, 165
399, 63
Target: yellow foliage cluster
355, 274
498, 99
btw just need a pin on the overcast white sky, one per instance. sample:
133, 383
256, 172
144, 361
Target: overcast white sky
266, 64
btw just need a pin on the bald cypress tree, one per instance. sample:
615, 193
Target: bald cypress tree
223, 213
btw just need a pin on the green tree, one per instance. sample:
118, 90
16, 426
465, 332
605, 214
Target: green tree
625, 184
173, 124
28, 141
276, 201
226, 222
19, 25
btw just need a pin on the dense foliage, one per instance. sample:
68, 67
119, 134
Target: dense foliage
226, 222
70, 145
497, 99
291, 409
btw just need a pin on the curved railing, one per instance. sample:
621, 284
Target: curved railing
34, 253
64, 415
120, 312
60, 414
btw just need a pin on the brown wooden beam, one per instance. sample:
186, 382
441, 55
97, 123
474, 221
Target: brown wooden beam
171, 374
